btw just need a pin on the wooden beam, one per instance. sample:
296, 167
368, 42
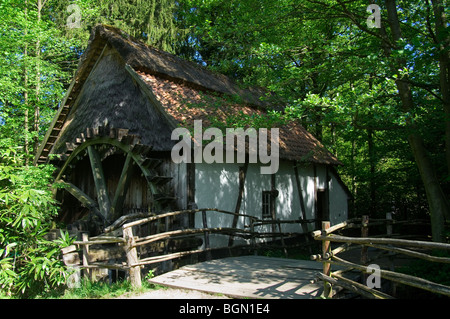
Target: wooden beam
400, 278
190, 191
385, 241
185, 232
132, 258
272, 202
122, 187
206, 235
300, 195
353, 286
100, 182
82, 197
52, 125
87, 272
326, 249
242, 175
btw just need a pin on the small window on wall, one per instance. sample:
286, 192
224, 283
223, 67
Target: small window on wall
266, 204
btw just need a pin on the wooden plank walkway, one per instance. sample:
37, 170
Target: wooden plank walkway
249, 277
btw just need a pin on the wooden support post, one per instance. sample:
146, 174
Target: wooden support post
364, 249
132, 257
205, 225
122, 188
253, 239
304, 226
389, 232
242, 175
389, 224
166, 265
326, 249
282, 238
364, 233
86, 271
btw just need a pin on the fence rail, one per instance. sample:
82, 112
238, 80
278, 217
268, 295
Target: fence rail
386, 243
127, 246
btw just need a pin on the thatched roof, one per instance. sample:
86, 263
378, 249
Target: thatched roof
182, 91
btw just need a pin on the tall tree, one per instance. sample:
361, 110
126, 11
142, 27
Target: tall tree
320, 55
152, 22
32, 76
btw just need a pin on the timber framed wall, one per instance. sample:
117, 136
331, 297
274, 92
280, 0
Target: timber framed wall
217, 185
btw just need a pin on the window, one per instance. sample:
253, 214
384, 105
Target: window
267, 203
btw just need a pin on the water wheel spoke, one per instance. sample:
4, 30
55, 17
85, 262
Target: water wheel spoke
82, 197
122, 187
100, 182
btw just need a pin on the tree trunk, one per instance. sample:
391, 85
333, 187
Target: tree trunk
38, 80
437, 201
443, 39
372, 164
25, 91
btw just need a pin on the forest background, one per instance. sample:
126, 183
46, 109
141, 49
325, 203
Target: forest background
377, 96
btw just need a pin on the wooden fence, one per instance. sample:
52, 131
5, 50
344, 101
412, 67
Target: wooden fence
385, 242
102, 252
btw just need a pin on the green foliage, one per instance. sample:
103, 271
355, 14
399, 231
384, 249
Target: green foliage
149, 21
101, 290
432, 271
97, 290
338, 81
36, 66
29, 262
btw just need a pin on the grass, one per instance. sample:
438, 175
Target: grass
102, 290
432, 271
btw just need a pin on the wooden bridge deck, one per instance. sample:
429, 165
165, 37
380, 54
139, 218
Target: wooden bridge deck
249, 277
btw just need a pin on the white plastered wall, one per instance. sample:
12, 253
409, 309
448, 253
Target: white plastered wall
217, 186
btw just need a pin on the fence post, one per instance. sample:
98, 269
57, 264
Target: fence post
326, 249
282, 238
389, 231
132, 257
389, 224
364, 249
364, 233
86, 271
205, 225
253, 240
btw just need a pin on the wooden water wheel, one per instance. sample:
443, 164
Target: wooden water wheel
101, 167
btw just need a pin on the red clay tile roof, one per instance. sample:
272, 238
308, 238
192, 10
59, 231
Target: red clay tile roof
185, 104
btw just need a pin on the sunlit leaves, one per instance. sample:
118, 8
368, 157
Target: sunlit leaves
29, 263
337, 76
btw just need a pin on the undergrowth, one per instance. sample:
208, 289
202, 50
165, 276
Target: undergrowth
432, 271
101, 290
